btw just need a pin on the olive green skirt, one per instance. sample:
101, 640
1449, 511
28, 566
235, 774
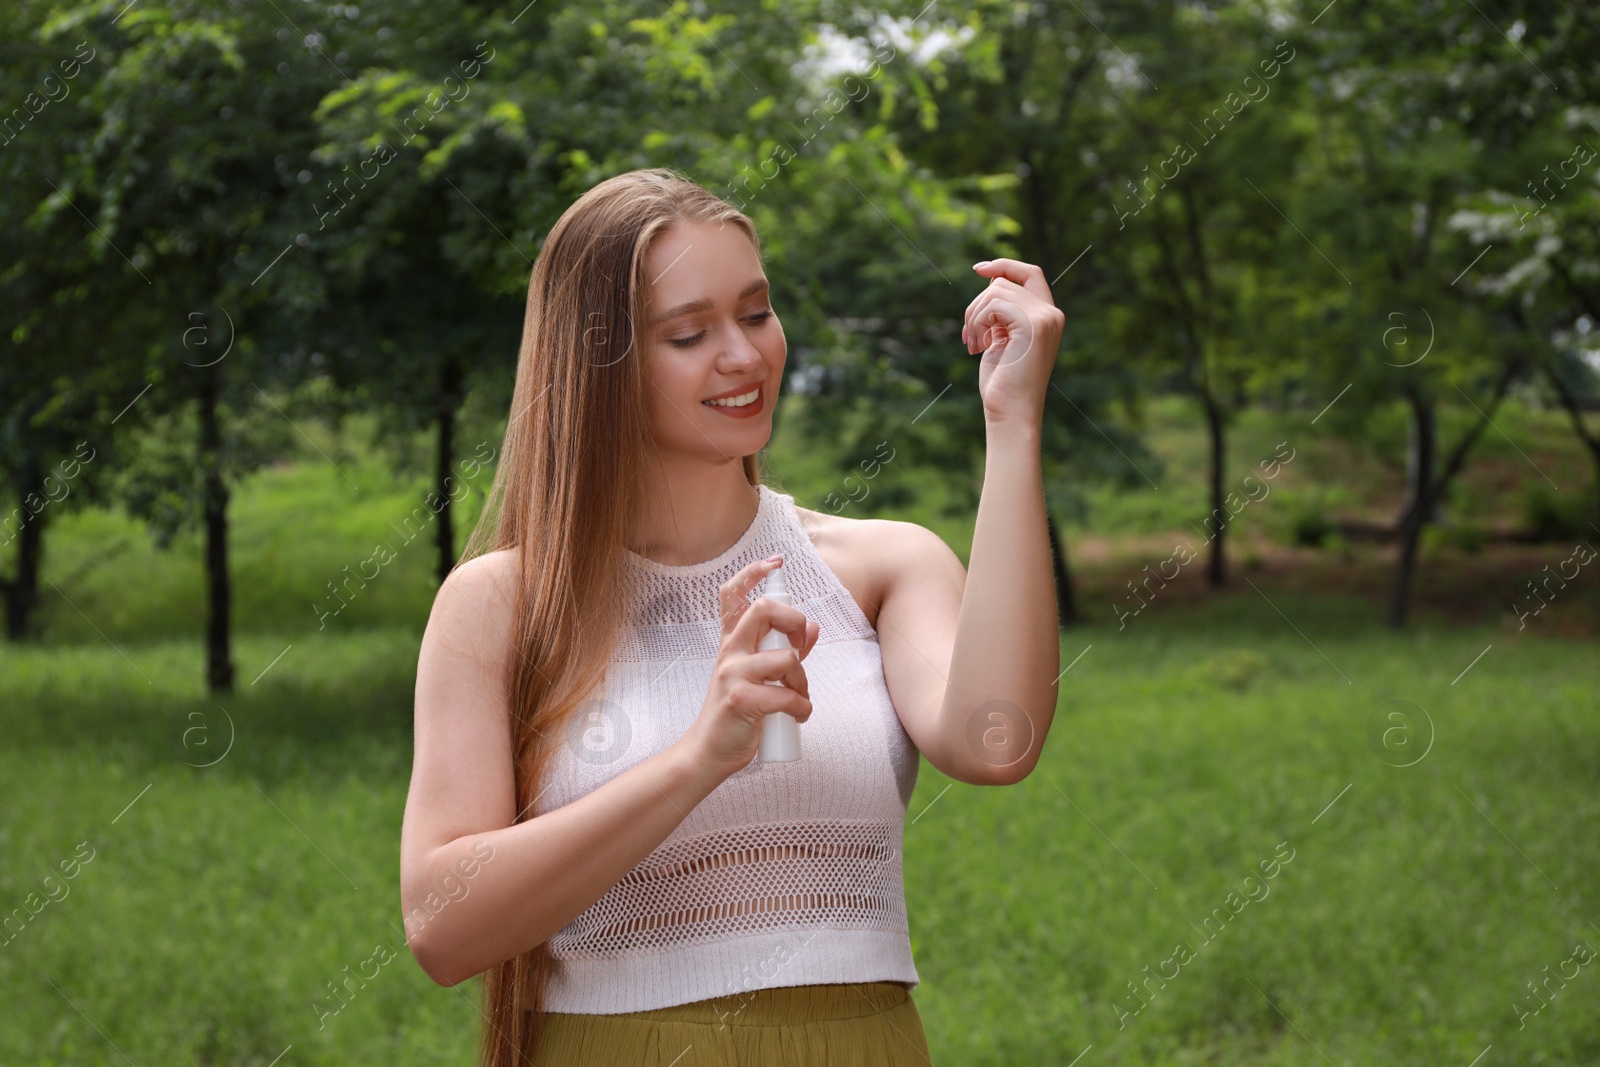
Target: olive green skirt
870, 1024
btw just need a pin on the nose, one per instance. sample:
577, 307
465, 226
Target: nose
740, 355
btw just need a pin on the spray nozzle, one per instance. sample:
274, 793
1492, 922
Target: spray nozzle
775, 585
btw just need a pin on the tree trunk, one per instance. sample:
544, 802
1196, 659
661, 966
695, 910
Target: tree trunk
1066, 599
1419, 506
1219, 511
449, 401
1574, 409
1039, 205
1421, 467
1416, 517
219, 600
22, 592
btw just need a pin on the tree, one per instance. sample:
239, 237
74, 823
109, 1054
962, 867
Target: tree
60, 399
1201, 286
1398, 171
1002, 120
1537, 214
198, 103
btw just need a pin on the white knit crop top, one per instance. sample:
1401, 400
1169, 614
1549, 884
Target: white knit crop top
787, 873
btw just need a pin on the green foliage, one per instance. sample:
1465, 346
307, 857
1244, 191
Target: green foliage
362, 193
1549, 515
1309, 512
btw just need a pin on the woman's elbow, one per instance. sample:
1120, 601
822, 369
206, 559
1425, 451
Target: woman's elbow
440, 955
437, 965
1011, 773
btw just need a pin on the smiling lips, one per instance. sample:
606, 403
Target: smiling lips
741, 405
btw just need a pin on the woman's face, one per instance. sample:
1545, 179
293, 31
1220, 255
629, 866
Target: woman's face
712, 333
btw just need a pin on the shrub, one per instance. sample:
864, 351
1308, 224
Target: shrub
1551, 516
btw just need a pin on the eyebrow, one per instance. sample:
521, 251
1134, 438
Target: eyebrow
705, 305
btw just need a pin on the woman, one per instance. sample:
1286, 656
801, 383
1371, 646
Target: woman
585, 795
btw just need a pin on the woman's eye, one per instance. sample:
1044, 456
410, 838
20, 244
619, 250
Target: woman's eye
685, 342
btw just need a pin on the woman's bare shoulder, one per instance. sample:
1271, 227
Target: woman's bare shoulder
495, 565
491, 575
860, 537
473, 607
861, 552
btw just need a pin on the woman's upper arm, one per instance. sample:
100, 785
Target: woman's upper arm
923, 588
461, 776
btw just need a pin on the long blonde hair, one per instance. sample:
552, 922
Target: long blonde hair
576, 454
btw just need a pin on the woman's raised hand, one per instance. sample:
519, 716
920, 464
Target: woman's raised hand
727, 733
1017, 327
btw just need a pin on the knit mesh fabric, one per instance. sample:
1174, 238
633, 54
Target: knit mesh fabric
787, 873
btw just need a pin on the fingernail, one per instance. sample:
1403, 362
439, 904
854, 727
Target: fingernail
773, 559
985, 263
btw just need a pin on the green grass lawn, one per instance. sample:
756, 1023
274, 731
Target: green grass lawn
211, 909
217, 908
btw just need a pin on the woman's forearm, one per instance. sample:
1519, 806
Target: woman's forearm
545, 872
1007, 643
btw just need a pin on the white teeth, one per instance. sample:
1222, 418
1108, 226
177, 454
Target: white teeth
736, 401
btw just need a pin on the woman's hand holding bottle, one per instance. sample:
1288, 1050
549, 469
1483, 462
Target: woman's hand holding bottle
727, 733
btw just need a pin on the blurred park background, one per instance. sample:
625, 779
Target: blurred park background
1322, 454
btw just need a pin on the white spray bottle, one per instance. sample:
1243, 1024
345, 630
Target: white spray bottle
780, 733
